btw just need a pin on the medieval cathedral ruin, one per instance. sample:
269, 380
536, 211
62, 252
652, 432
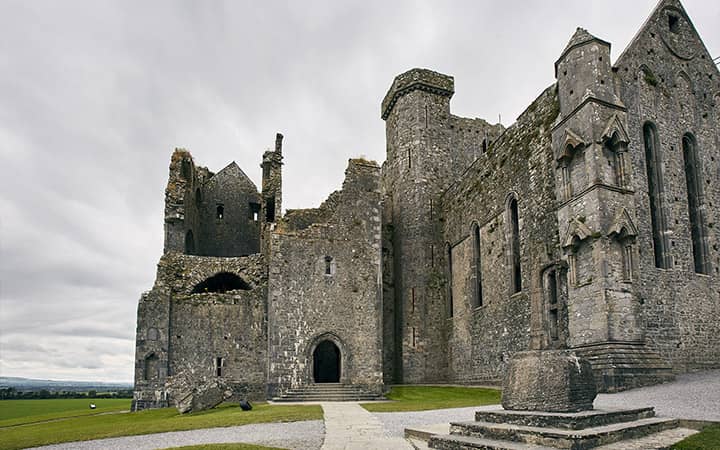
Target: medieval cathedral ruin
591, 223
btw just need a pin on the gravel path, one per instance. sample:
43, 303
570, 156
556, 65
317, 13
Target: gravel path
693, 396
292, 435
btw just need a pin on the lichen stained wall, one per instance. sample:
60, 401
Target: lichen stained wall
325, 284
188, 328
517, 165
668, 79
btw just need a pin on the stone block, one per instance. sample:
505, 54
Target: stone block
548, 380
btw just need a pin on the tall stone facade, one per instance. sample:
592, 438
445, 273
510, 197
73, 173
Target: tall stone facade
590, 224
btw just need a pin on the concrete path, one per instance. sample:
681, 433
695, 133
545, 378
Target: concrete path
348, 426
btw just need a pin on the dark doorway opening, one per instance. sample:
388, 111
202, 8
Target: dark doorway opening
326, 363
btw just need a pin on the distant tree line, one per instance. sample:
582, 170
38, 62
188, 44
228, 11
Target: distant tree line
10, 393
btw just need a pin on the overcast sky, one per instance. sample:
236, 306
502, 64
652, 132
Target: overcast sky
95, 95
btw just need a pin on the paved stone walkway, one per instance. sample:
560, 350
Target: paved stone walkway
348, 426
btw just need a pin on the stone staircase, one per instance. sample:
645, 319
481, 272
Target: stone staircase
625, 365
328, 392
501, 429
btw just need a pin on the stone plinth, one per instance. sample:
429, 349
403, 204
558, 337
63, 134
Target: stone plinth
548, 380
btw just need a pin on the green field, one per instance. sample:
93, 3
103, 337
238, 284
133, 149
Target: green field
15, 412
126, 424
421, 398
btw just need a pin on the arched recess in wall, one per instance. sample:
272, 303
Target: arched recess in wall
220, 283
555, 288
151, 367
685, 98
477, 299
189, 243
513, 240
653, 164
327, 359
695, 207
198, 198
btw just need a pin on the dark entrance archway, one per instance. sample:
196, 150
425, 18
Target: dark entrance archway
326, 363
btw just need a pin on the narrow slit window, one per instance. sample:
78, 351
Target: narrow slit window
516, 274
477, 263
219, 365
328, 265
220, 211
450, 281
627, 263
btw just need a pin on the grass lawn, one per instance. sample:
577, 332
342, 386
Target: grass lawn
707, 439
421, 398
149, 421
224, 447
15, 412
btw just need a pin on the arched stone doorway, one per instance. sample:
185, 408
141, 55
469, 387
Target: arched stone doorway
326, 363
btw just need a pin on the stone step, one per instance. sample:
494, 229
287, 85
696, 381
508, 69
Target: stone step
564, 438
327, 398
456, 442
571, 421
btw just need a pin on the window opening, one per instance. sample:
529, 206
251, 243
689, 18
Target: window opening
270, 209
450, 281
220, 283
328, 265
478, 297
220, 211
254, 211
219, 365
655, 190
516, 274
674, 23
627, 263
697, 227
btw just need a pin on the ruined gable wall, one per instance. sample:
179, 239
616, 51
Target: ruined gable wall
307, 305
519, 161
237, 233
667, 77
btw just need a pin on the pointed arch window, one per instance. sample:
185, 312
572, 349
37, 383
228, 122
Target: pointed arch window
477, 267
189, 243
653, 165
514, 245
450, 279
695, 210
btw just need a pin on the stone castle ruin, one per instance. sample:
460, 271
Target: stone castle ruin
590, 224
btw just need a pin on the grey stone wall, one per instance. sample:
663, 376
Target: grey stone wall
667, 77
183, 333
308, 305
482, 339
237, 231
427, 148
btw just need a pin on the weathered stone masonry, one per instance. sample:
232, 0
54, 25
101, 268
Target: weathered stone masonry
589, 225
